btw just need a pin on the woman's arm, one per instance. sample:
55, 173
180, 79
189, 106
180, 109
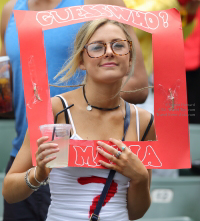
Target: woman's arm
14, 186
139, 190
138, 196
139, 78
129, 165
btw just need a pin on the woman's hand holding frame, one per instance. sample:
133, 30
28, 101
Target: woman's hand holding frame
127, 163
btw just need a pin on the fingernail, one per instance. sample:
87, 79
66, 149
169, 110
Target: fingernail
99, 142
55, 144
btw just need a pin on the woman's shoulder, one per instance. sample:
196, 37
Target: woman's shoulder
6, 13
144, 118
67, 97
143, 114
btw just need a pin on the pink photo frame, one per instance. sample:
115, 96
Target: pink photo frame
171, 149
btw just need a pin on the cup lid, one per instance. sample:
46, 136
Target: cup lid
4, 58
58, 126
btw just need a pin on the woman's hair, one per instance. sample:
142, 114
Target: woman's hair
82, 38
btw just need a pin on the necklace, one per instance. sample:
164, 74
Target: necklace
89, 107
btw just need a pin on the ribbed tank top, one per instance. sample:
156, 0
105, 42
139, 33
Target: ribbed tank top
75, 191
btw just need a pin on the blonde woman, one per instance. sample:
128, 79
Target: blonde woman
105, 50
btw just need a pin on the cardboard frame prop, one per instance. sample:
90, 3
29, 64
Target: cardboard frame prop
171, 150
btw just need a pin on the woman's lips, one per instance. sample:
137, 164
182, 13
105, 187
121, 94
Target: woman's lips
110, 64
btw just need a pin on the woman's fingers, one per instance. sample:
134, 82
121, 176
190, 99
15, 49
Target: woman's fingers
110, 149
107, 155
116, 152
125, 161
45, 146
44, 150
43, 162
119, 143
110, 166
47, 152
42, 140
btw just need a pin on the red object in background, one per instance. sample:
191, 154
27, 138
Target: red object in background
192, 47
183, 2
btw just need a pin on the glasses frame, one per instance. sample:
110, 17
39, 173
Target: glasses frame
111, 45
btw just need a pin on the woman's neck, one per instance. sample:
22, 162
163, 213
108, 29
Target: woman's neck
102, 96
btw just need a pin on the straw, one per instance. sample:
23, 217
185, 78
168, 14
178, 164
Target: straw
56, 118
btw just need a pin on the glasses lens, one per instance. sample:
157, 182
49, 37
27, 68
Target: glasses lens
121, 47
96, 49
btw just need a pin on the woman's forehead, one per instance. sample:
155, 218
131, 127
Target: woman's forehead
108, 32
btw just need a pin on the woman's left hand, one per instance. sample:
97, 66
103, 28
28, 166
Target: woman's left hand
125, 161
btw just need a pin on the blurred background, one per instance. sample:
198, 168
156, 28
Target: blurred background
175, 193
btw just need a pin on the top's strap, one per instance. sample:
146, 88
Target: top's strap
95, 215
68, 112
64, 106
137, 122
148, 127
126, 119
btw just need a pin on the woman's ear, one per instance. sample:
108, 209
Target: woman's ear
81, 65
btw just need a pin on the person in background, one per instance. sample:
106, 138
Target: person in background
191, 17
145, 40
106, 59
58, 44
191, 30
188, 10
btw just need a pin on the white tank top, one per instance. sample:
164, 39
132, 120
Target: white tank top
76, 191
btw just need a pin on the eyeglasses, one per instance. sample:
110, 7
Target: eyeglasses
98, 49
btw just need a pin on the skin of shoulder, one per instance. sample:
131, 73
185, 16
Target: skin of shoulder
107, 2
145, 117
6, 13
57, 104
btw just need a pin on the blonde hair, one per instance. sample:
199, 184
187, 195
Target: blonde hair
82, 38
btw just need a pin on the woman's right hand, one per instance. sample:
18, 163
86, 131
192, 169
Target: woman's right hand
44, 149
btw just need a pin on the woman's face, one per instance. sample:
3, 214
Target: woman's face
110, 67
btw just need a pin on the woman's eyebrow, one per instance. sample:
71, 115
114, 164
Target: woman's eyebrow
100, 41
96, 42
117, 39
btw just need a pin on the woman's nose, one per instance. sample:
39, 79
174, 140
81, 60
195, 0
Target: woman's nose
109, 51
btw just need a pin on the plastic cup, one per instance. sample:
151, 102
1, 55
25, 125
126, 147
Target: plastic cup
61, 134
5, 87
